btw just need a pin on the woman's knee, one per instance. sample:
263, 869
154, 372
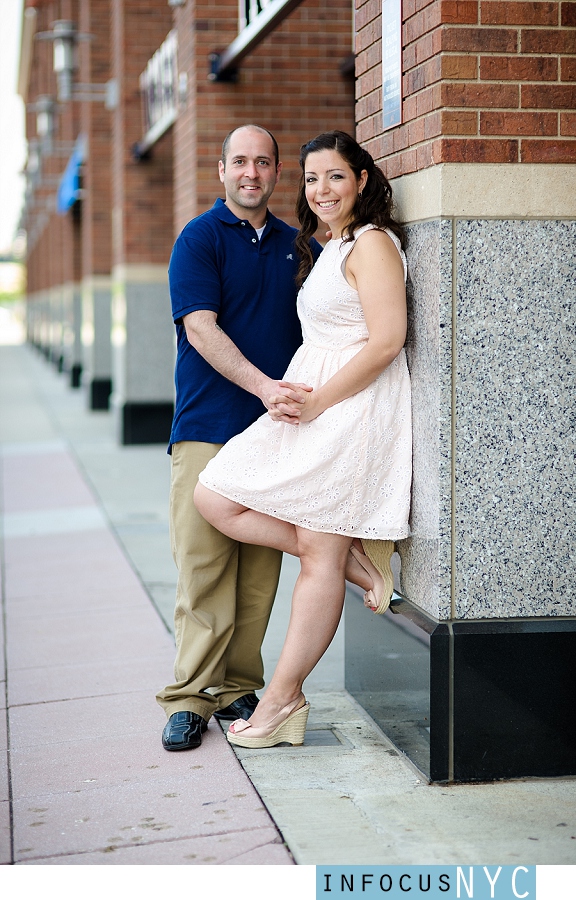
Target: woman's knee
322, 551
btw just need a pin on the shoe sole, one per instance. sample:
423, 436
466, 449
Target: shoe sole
291, 731
380, 553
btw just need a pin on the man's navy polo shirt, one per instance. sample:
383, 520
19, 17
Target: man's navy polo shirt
219, 264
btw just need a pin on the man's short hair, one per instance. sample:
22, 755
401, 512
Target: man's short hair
226, 142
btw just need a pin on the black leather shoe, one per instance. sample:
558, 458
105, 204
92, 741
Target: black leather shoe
183, 731
242, 708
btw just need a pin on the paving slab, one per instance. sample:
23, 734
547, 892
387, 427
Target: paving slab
262, 846
46, 563
2, 662
98, 636
96, 718
53, 481
361, 802
25, 420
90, 764
138, 813
84, 562
44, 684
3, 731
149, 549
5, 834
4, 786
87, 652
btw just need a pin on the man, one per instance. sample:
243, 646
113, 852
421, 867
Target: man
232, 285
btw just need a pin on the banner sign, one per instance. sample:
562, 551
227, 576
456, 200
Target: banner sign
391, 63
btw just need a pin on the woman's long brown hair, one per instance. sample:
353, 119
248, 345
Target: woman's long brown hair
372, 207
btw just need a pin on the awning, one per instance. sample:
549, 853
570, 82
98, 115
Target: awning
69, 186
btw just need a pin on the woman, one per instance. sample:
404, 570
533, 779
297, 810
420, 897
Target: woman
316, 482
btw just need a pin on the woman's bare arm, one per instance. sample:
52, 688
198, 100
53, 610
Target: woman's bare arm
374, 268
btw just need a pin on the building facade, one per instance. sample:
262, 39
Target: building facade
482, 167
139, 128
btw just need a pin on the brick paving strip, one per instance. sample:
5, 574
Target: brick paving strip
84, 779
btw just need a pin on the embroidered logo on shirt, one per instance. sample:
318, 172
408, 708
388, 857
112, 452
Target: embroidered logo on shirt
289, 256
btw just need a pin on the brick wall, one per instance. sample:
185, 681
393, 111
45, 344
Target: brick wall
483, 81
141, 191
291, 83
53, 250
94, 68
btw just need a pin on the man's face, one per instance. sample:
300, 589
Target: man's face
250, 174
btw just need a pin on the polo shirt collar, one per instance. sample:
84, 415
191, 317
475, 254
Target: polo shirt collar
226, 215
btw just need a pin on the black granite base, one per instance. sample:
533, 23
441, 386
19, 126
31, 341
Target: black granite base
146, 423
76, 375
99, 393
468, 701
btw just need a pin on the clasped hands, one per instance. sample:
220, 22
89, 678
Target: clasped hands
291, 403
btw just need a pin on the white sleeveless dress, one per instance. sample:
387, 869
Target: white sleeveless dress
348, 471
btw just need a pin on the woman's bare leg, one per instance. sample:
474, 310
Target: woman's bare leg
243, 524
251, 527
317, 604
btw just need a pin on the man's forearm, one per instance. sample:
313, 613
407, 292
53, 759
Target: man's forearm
206, 336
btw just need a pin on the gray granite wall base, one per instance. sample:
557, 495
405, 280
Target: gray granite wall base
97, 343
491, 351
76, 346
35, 318
144, 355
57, 328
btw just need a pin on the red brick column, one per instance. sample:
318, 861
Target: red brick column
96, 126
53, 246
141, 191
142, 216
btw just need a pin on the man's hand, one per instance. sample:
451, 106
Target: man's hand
303, 410
206, 336
284, 400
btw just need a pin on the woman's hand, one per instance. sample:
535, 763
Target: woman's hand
309, 409
282, 410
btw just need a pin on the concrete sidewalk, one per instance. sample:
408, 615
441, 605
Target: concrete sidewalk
88, 587
87, 780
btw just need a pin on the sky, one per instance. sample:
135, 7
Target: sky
12, 142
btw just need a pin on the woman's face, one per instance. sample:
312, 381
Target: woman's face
331, 188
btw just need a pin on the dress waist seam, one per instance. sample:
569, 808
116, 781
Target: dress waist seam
357, 346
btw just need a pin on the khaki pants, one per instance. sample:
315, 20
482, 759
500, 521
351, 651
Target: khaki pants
223, 599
